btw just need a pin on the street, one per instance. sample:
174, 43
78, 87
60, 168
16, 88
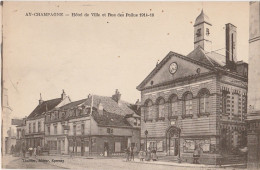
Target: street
64, 162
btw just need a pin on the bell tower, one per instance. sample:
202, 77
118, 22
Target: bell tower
202, 32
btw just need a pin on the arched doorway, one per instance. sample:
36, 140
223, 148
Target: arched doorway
173, 141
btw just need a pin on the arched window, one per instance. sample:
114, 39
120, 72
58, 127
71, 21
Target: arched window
148, 110
204, 101
188, 103
161, 105
173, 105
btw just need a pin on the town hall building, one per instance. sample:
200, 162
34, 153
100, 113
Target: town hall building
196, 101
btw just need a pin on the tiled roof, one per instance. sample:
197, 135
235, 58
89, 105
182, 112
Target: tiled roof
73, 104
208, 58
45, 106
111, 106
110, 119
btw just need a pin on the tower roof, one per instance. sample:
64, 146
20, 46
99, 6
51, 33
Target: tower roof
202, 18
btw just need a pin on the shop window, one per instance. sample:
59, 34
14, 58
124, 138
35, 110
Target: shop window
152, 145
188, 103
160, 145
117, 146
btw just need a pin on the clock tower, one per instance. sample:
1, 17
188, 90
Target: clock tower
202, 32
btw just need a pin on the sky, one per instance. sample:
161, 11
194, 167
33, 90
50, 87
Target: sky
96, 55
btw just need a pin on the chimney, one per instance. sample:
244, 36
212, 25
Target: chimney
40, 101
63, 95
231, 51
100, 109
116, 97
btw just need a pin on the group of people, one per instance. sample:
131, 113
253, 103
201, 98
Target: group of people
148, 155
130, 153
33, 151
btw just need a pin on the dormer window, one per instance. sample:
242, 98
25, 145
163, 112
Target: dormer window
198, 32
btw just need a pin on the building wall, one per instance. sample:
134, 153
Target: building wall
36, 121
254, 56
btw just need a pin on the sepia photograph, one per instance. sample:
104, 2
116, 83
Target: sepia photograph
130, 85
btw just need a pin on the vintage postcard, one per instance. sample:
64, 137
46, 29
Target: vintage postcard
130, 85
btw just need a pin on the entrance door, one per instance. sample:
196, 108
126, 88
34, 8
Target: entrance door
82, 148
173, 144
59, 147
106, 148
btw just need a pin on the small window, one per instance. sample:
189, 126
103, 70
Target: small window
207, 31
198, 32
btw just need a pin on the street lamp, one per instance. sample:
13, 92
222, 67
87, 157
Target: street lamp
146, 133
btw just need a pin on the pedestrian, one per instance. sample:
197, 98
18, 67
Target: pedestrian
148, 155
196, 155
132, 156
34, 152
141, 155
23, 150
154, 157
127, 153
38, 150
30, 151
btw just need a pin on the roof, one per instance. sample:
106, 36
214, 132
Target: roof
110, 119
111, 106
45, 106
202, 18
73, 104
208, 58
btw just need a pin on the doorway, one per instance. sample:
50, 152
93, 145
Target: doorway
173, 141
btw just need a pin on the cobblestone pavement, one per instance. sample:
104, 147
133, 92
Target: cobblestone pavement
61, 162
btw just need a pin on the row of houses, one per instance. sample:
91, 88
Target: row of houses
187, 102
97, 125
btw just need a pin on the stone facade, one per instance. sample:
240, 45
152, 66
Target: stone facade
205, 101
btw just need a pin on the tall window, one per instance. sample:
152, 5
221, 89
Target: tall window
188, 103
29, 127
236, 104
49, 129
82, 129
39, 126
33, 127
160, 108
55, 129
62, 129
74, 129
224, 101
174, 105
204, 101
148, 110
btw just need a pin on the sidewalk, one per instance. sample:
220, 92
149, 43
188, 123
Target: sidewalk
6, 159
78, 162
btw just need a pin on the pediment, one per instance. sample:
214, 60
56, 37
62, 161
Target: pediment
185, 67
